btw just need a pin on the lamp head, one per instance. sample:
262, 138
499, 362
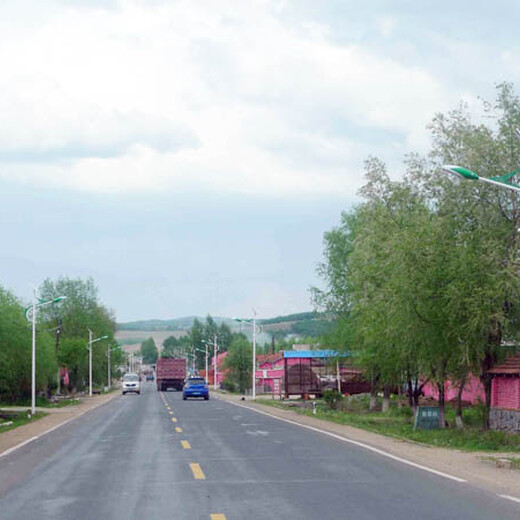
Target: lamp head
458, 171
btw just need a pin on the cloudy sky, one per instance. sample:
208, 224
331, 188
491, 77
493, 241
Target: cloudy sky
190, 154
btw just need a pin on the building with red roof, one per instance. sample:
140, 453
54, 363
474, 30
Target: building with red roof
505, 395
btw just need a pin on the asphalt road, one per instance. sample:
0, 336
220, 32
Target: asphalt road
155, 456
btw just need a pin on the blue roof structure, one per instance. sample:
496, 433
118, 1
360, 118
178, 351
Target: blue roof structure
313, 354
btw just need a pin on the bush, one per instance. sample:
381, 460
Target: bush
332, 399
229, 386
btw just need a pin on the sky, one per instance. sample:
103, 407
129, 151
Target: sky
189, 155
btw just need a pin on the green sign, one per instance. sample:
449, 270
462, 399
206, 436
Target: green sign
427, 418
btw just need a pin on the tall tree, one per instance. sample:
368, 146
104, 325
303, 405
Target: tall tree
426, 270
239, 363
149, 351
80, 312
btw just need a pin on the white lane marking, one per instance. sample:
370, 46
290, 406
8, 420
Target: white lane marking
356, 443
10, 450
509, 497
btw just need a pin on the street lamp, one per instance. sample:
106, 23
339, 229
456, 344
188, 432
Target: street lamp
90, 341
504, 181
205, 356
108, 355
215, 360
252, 321
32, 311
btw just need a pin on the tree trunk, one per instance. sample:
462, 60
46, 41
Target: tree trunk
458, 419
487, 390
442, 404
373, 400
410, 395
485, 379
373, 394
416, 395
386, 398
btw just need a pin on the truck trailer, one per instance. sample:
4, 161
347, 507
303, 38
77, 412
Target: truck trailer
170, 373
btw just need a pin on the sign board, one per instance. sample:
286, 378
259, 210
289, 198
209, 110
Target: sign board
427, 418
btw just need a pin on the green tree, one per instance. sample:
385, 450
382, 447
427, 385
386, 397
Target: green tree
239, 363
225, 337
80, 312
197, 338
426, 270
149, 351
15, 352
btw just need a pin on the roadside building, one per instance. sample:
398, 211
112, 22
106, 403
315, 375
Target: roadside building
221, 370
473, 392
270, 373
312, 372
505, 395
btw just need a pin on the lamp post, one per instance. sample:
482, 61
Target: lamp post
205, 356
32, 311
109, 372
503, 181
215, 355
252, 322
90, 341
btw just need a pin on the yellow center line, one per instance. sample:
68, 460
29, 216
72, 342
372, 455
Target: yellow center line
171, 413
174, 419
218, 516
178, 429
186, 445
197, 471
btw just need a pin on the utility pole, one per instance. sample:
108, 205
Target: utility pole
90, 362
215, 358
33, 369
253, 394
206, 360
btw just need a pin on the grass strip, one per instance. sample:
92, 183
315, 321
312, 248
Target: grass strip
399, 425
20, 421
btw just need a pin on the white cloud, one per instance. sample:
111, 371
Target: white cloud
188, 95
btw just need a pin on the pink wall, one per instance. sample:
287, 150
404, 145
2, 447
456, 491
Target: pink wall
272, 378
268, 365
473, 391
505, 392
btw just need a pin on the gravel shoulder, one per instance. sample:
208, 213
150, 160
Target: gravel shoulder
472, 467
56, 417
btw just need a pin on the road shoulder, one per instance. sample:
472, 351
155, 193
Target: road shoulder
471, 467
13, 439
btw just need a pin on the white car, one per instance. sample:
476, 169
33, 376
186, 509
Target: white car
131, 384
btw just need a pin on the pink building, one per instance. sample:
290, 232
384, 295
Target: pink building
473, 391
270, 372
505, 395
221, 370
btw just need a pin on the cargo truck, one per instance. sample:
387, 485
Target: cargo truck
170, 373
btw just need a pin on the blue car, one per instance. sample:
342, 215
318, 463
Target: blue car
195, 387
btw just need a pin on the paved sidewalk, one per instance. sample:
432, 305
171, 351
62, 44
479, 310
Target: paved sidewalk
56, 417
466, 465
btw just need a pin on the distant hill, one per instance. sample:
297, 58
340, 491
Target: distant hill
300, 316
311, 324
154, 325
303, 323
